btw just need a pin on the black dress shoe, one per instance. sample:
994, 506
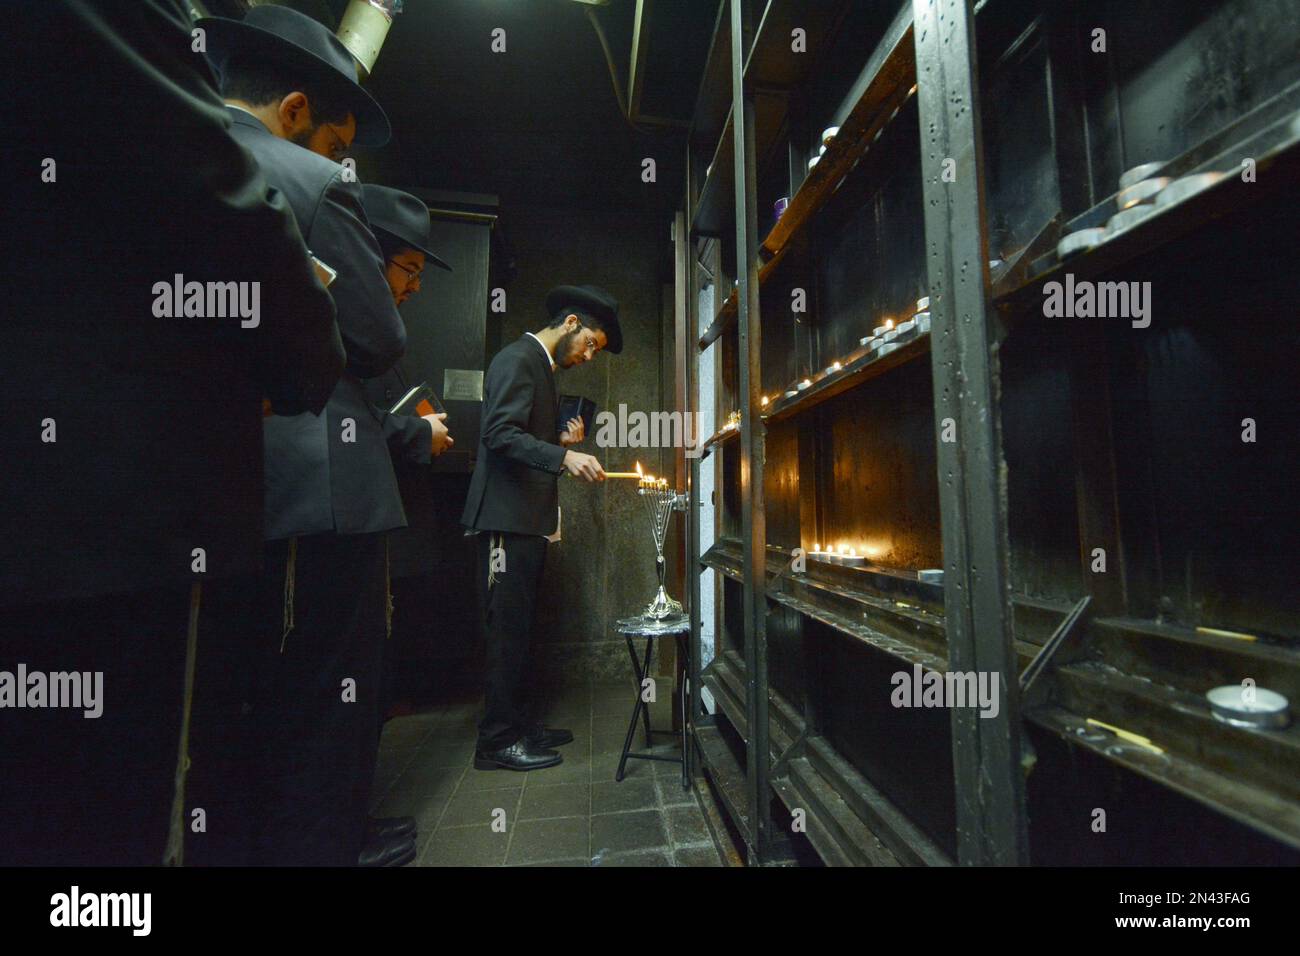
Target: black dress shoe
388, 851
382, 828
518, 756
547, 738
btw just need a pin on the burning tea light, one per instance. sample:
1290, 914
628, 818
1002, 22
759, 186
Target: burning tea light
845, 556
835, 367
806, 383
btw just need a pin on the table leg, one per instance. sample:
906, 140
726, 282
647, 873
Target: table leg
636, 710
645, 708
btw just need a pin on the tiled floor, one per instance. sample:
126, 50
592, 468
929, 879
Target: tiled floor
570, 815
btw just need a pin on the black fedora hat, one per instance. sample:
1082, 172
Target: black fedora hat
594, 301
297, 42
401, 216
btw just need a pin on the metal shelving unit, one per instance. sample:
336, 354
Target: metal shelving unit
1093, 643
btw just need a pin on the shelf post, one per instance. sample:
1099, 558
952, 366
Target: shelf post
990, 790
753, 523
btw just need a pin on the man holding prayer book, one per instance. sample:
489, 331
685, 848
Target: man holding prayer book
513, 507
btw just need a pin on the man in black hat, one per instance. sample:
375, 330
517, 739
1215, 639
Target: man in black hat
513, 506
400, 223
317, 617
131, 433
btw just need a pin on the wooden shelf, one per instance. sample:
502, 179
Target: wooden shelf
885, 84
1238, 796
727, 685
726, 316
718, 438
880, 92
890, 642
892, 611
1278, 167
851, 823
861, 367
724, 557
714, 209
771, 72
727, 774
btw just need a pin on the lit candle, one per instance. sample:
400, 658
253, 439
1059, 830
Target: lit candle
806, 383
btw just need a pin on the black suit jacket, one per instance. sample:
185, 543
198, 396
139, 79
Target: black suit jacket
410, 437
321, 474
519, 454
158, 421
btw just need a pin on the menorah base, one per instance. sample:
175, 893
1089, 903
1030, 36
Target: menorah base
662, 606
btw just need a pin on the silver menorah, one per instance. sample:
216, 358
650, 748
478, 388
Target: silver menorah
661, 501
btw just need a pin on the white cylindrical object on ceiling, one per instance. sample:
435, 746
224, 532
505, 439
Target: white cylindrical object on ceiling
363, 30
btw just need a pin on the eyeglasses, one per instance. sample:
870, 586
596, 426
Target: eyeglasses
340, 149
589, 341
412, 275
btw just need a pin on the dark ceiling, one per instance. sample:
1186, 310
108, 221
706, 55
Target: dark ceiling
540, 123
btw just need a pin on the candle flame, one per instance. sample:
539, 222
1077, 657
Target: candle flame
889, 323
638, 469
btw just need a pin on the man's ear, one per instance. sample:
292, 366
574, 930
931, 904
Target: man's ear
295, 113
572, 322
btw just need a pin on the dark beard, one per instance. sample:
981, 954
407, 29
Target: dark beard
304, 139
564, 348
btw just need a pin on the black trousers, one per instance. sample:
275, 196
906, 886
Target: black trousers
508, 603
283, 745
85, 791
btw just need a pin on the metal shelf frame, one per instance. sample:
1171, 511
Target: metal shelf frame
929, 50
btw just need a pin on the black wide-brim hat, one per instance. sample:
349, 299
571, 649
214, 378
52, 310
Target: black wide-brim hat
298, 43
401, 216
594, 301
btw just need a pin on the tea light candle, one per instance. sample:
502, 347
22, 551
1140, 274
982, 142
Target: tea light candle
806, 383
828, 134
834, 367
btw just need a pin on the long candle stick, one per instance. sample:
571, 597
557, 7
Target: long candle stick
621, 474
